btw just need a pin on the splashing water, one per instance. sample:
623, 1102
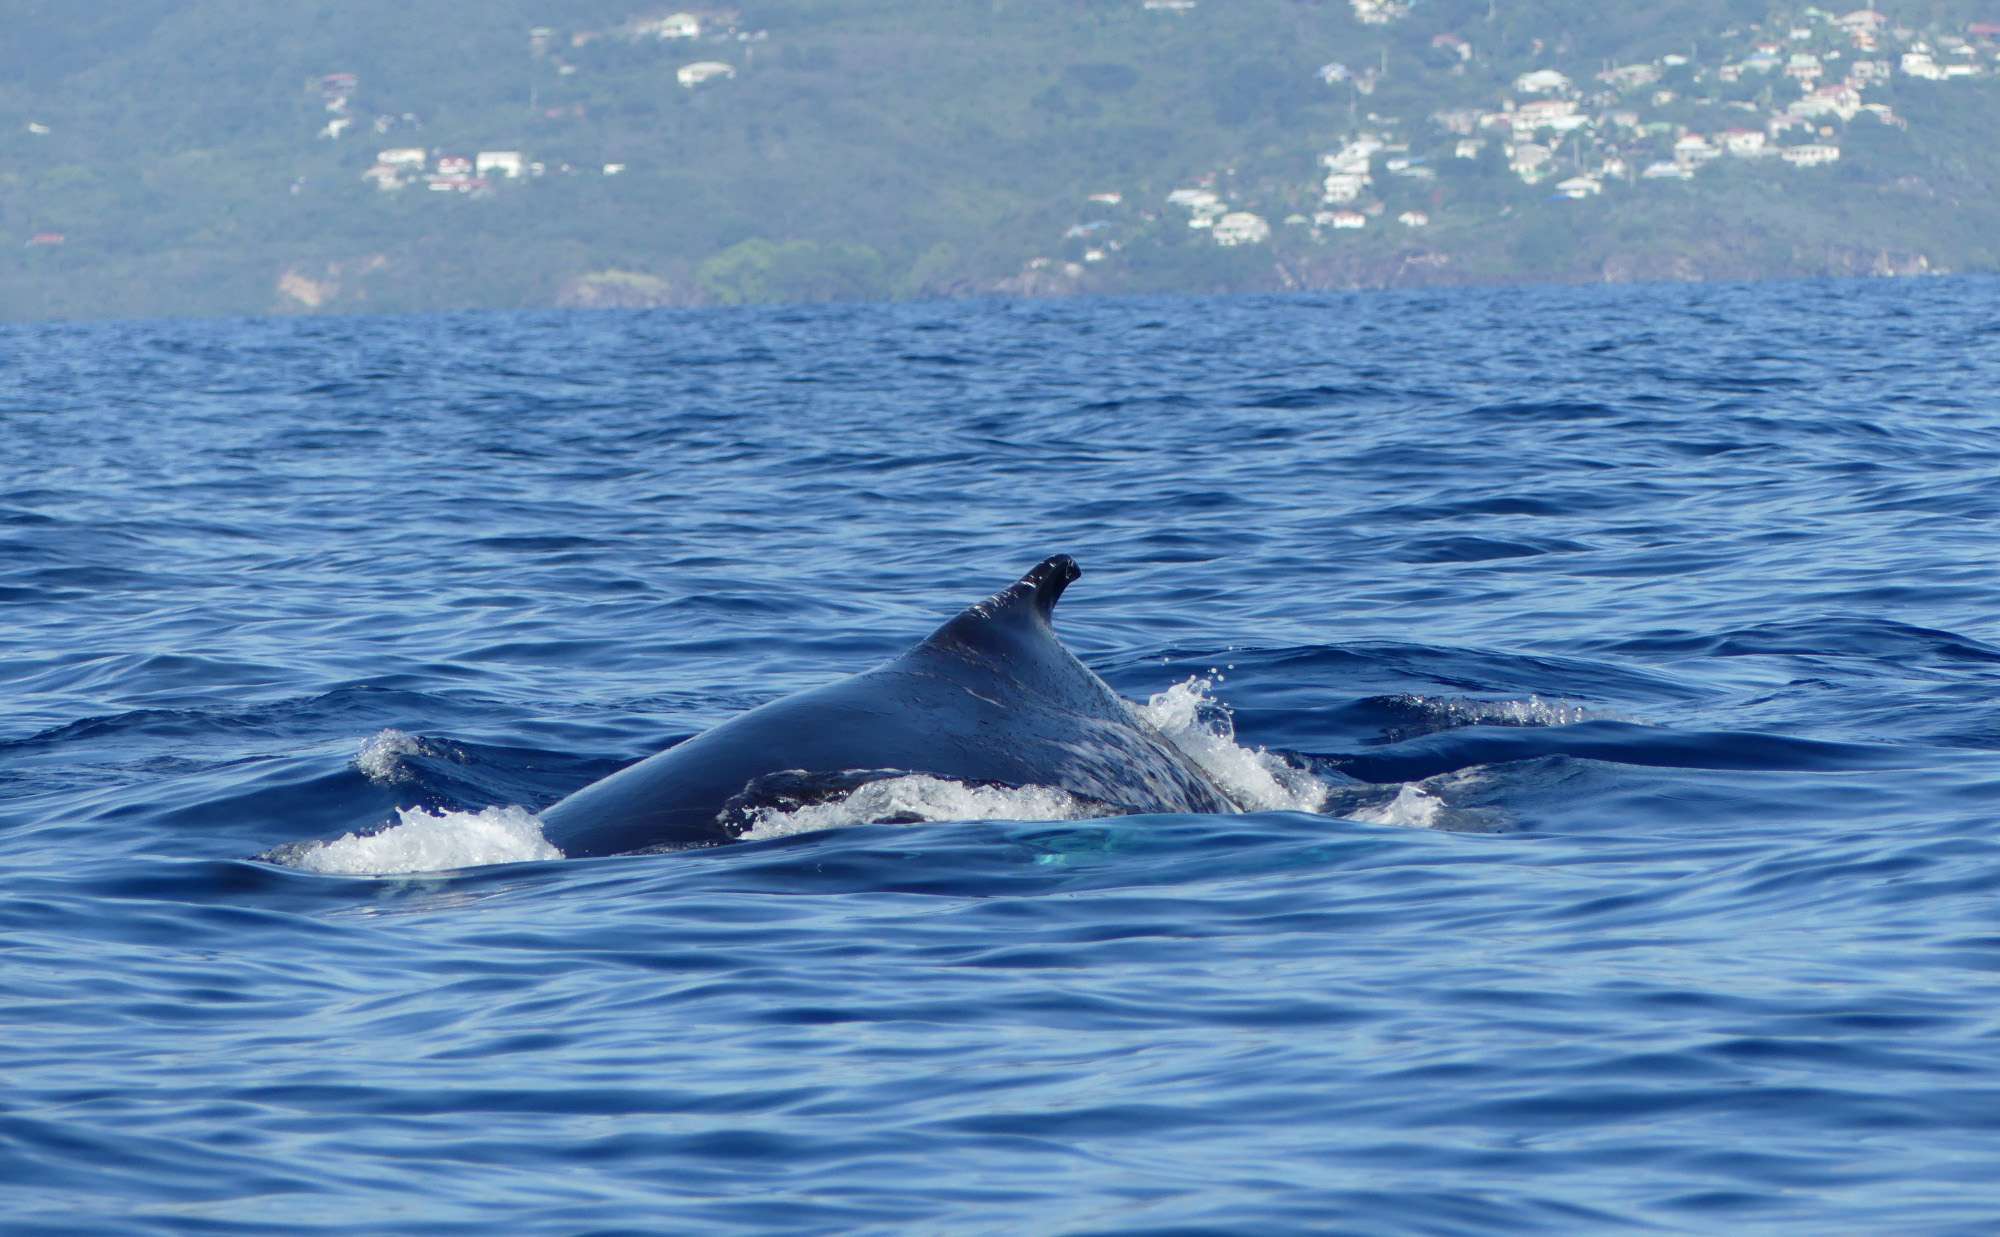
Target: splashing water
1412, 808
1201, 727
919, 797
1447, 712
380, 757
423, 841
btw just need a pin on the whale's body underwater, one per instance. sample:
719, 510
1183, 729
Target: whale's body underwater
990, 697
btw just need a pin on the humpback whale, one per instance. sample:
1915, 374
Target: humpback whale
990, 697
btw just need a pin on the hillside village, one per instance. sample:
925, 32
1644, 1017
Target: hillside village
827, 149
557, 55
1778, 95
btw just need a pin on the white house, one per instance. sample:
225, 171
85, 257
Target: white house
1543, 112
403, 157
1241, 228
672, 26
1355, 156
1413, 219
1839, 100
1342, 187
1920, 64
1665, 171
1812, 154
1194, 199
1694, 148
692, 75
507, 163
1630, 76
1529, 160
1579, 187
1468, 148
1541, 81
1744, 143
1349, 219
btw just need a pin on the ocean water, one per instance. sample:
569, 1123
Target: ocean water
1612, 677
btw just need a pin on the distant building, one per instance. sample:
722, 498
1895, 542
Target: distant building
1920, 65
42, 240
672, 26
1579, 187
1348, 219
1529, 161
454, 165
1838, 100
403, 157
1413, 219
456, 183
1630, 76
692, 75
1559, 114
1342, 187
1664, 170
1694, 148
1241, 228
1743, 143
507, 163
1541, 81
1107, 199
1812, 154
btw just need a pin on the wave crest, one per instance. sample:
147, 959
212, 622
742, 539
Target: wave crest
424, 841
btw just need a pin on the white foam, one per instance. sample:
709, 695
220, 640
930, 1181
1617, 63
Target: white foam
1534, 711
380, 757
423, 841
922, 797
1201, 727
1412, 808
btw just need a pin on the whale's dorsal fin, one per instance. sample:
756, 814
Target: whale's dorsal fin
1031, 600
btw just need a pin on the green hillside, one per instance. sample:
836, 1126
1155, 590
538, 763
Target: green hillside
221, 156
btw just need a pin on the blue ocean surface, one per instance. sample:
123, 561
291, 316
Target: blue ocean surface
1612, 676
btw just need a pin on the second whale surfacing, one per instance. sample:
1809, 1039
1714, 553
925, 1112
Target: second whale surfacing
990, 697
